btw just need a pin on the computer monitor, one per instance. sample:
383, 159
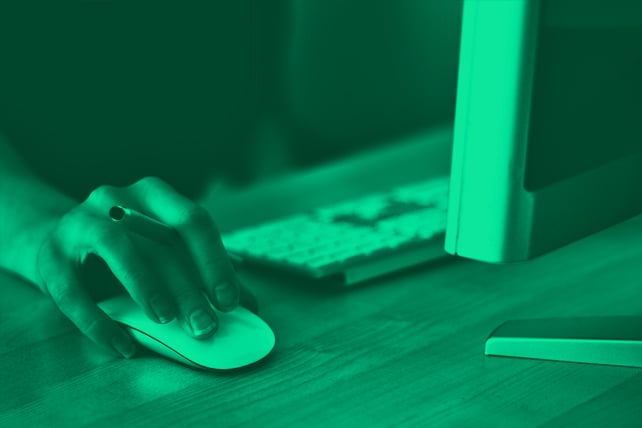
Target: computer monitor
548, 128
548, 149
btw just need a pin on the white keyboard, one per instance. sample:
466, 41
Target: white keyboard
356, 240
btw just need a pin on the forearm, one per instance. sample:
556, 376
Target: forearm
29, 209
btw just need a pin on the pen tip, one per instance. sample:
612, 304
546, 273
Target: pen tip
116, 213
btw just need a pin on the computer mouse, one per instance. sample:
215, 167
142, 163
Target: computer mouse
242, 337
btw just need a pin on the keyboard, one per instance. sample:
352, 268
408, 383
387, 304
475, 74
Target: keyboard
354, 240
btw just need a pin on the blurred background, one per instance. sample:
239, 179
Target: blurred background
104, 93
351, 75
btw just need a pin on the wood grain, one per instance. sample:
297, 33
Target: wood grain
402, 351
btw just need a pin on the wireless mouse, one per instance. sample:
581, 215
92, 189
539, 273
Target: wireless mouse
242, 337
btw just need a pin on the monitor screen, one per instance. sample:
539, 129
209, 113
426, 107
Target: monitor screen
586, 95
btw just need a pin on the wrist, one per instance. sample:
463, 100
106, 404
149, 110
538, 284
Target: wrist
33, 220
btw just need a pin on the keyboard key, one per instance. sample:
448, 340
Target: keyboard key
348, 233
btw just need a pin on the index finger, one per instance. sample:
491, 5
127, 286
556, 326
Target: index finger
201, 236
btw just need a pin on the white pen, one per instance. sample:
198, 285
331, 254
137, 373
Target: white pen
149, 227
143, 225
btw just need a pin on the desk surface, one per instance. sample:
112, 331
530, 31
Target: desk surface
405, 350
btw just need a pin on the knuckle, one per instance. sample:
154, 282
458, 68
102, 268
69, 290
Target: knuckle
196, 216
188, 297
69, 221
103, 194
150, 182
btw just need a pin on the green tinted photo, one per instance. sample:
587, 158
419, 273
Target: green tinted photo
322, 213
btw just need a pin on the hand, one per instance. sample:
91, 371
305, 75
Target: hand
167, 281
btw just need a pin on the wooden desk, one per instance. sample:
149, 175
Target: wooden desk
402, 351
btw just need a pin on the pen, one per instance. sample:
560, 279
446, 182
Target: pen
143, 225
148, 227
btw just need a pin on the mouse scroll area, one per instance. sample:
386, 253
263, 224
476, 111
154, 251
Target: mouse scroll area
242, 337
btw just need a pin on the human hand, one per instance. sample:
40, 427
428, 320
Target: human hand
168, 281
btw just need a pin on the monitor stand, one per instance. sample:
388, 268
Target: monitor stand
613, 340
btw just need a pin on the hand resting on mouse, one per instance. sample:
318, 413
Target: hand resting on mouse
242, 337
48, 238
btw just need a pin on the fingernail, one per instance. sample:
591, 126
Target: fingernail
201, 322
226, 296
123, 345
162, 309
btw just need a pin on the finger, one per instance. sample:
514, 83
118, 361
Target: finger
200, 235
183, 295
194, 310
114, 245
62, 284
107, 196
